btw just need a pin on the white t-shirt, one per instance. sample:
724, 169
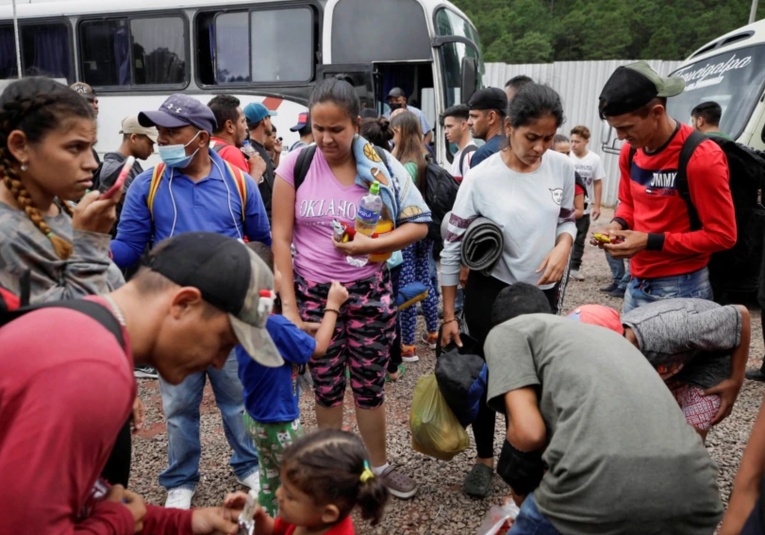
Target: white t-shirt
590, 168
532, 209
457, 171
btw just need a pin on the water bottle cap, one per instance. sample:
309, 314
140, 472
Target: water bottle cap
374, 188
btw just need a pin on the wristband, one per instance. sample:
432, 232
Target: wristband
336, 311
449, 321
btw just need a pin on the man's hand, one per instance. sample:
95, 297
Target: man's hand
728, 391
278, 145
215, 520
132, 501
139, 415
633, 242
257, 167
609, 231
595, 212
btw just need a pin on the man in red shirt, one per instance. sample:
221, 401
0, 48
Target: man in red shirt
651, 226
229, 139
63, 397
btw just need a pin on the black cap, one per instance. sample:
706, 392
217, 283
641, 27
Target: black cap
633, 86
489, 98
230, 277
396, 92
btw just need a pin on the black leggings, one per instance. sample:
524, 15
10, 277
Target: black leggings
117, 469
480, 293
395, 350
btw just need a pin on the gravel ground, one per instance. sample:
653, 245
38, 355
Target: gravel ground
439, 506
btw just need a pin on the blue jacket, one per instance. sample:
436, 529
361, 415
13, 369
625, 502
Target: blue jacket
271, 394
486, 150
180, 205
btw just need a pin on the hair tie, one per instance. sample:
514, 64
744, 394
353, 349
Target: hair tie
367, 474
49, 235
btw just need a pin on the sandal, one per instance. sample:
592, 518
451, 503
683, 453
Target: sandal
399, 373
477, 482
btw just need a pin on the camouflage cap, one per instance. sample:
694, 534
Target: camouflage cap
230, 277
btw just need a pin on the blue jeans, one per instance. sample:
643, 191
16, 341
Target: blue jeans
620, 269
181, 405
530, 521
644, 291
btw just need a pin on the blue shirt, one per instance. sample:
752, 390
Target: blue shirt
181, 205
271, 394
488, 148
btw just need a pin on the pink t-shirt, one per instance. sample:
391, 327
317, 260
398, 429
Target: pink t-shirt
320, 199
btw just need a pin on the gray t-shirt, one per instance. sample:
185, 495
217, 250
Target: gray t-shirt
621, 458
698, 333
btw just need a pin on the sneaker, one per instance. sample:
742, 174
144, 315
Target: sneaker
610, 288
400, 485
430, 339
755, 375
179, 498
252, 481
619, 292
477, 482
145, 372
408, 354
574, 274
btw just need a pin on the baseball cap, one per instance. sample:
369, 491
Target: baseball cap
130, 125
632, 86
396, 92
303, 120
256, 112
180, 110
231, 278
598, 315
489, 98
84, 89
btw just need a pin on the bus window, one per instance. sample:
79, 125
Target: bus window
250, 46
45, 50
449, 23
137, 51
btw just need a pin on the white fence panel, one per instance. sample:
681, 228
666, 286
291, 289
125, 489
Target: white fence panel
579, 84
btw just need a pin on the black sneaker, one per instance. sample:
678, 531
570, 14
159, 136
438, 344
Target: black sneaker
145, 372
619, 292
610, 288
755, 375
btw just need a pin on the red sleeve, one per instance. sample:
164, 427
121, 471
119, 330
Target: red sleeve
709, 186
625, 209
235, 157
160, 520
578, 190
281, 527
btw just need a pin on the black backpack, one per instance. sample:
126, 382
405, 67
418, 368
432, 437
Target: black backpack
305, 158
737, 269
440, 192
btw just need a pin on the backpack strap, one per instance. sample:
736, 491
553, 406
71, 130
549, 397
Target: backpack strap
469, 149
303, 164
92, 309
681, 179
241, 186
156, 178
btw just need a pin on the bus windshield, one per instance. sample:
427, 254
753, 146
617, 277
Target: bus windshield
450, 23
734, 80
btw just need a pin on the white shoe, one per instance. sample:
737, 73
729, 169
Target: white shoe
574, 274
252, 481
179, 498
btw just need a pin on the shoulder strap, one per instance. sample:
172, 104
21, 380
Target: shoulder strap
631, 156
156, 178
303, 164
381, 153
467, 150
96, 311
217, 147
681, 179
241, 186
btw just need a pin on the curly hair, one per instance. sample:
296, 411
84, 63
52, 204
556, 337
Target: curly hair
36, 106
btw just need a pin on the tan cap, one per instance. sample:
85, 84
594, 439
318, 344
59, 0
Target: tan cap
130, 125
84, 89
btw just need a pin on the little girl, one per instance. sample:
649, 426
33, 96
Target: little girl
324, 476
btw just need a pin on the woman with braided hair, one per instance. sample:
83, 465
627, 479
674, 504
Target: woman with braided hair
46, 134
49, 251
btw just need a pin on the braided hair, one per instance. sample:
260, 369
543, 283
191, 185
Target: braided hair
36, 106
330, 466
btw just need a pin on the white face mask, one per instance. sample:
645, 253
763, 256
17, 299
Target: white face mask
175, 155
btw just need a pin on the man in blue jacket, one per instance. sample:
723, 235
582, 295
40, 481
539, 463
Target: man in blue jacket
197, 191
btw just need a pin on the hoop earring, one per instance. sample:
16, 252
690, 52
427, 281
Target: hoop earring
24, 166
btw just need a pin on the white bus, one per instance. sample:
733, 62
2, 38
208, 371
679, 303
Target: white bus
136, 53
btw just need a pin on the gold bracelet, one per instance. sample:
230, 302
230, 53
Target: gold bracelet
336, 311
449, 321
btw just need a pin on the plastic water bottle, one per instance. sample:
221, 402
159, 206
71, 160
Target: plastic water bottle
367, 216
247, 148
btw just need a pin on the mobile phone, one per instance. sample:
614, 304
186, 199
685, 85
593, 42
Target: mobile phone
602, 238
124, 172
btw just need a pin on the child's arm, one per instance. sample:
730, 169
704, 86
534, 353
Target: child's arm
730, 387
579, 206
338, 295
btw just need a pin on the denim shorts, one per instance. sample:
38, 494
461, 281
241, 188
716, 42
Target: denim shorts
643, 291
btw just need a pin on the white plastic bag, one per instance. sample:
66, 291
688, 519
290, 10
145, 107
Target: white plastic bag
499, 519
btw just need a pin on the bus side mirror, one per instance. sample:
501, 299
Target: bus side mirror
605, 133
469, 78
